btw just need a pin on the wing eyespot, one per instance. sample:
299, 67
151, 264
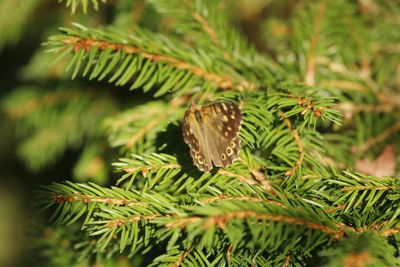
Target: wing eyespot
232, 144
223, 156
229, 151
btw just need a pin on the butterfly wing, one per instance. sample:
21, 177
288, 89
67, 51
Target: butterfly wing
193, 135
222, 122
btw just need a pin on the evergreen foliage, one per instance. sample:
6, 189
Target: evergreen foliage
322, 95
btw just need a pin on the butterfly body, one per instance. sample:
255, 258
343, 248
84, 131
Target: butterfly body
212, 133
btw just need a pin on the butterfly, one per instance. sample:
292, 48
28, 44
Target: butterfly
212, 133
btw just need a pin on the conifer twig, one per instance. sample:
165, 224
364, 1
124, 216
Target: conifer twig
210, 31
207, 28
243, 198
86, 198
299, 145
173, 105
178, 262
229, 251
238, 176
121, 222
308, 105
146, 169
224, 82
287, 260
221, 220
366, 187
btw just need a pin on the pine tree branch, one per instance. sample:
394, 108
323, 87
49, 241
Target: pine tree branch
223, 81
82, 45
237, 176
172, 106
308, 105
297, 99
220, 221
285, 201
204, 23
209, 30
300, 147
138, 128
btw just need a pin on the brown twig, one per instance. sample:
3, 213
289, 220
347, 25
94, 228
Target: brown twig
243, 198
366, 187
207, 28
287, 259
237, 176
146, 169
86, 198
340, 207
300, 147
220, 220
210, 31
121, 222
229, 251
181, 257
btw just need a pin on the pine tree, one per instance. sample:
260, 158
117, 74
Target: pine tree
318, 95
